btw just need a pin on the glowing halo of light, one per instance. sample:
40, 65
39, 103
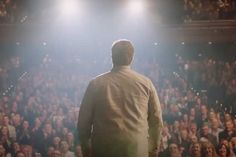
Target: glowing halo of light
136, 7
69, 7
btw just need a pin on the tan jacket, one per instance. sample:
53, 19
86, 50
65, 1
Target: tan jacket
121, 114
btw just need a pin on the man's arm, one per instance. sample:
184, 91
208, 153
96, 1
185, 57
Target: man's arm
154, 121
85, 120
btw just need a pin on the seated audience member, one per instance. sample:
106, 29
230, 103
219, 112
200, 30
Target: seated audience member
208, 150
56, 153
36, 154
70, 141
203, 116
50, 151
233, 145
195, 150
20, 154
184, 142
44, 139
11, 128
223, 150
17, 123
172, 151
15, 148
27, 150
24, 136
228, 132
205, 132
215, 129
64, 148
56, 142
78, 151
5, 138
3, 152
193, 129
193, 139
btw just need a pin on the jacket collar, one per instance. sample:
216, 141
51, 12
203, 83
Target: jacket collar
123, 67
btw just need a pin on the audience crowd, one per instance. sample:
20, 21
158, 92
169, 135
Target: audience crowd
209, 10
39, 110
17, 11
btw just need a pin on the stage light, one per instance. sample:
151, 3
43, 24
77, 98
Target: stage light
69, 7
136, 6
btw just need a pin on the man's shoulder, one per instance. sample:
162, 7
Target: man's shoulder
129, 75
101, 76
138, 77
141, 75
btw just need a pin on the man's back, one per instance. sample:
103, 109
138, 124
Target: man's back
121, 98
121, 114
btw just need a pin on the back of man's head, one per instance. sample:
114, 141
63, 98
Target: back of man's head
122, 52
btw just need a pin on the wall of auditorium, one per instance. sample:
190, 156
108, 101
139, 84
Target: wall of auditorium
197, 31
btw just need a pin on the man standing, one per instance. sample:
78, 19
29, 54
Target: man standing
120, 112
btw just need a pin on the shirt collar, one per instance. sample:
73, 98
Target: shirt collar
123, 67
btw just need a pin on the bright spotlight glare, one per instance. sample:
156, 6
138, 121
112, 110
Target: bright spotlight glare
69, 7
136, 6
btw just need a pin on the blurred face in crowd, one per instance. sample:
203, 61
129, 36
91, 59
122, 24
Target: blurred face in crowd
37, 122
64, 146
195, 150
38, 155
5, 120
212, 115
233, 141
26, 124
193, 139
234, 121
70, 136
59, 123
205, 130
16, 147
4, 131
14, 106
56, 141
225, 142
227, 117
65, 131
229, 126
27, 150
50, 151
78, 151
174, 109
199, 101
5, 99
18, 97
185, 117
184, 134
48, 128
173, 148
203, 110
56, 153
208, 150
214, 124
193, 127
16, 119
192, 112
222, 151
20, 154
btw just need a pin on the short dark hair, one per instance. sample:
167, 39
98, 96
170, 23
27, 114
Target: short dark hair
122, 52
226, 147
